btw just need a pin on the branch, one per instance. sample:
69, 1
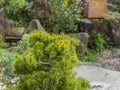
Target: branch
44, 63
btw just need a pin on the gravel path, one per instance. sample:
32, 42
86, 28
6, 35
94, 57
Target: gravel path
108, 59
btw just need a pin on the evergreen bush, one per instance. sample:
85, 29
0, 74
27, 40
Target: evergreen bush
48, 64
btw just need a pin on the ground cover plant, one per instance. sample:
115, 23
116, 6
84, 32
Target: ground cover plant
96, 44
22, 45
6, 59
48, 64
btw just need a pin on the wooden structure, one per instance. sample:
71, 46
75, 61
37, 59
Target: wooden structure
97, 8
12, 39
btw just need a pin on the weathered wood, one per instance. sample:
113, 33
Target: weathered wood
97, 8
11, 39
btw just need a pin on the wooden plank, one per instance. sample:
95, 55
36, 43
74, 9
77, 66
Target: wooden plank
97, 8
11, 39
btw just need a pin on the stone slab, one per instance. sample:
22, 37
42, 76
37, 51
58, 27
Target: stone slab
99, 78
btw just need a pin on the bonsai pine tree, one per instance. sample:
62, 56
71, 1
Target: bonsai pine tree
48, 64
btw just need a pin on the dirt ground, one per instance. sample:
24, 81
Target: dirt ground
108, 59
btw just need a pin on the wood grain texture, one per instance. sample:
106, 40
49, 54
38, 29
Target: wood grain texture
97, 8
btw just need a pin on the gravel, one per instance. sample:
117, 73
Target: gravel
108, 59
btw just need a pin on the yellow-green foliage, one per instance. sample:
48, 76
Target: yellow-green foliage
67, 2
48, 64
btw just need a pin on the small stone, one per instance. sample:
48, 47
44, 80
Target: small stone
3, 87
14, 80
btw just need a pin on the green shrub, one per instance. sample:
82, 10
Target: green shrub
118, 6
22, 45
18, 10
12, 5
62, 17
97, 43
6, 59
87, 55
48, 64
2, 44
89, 58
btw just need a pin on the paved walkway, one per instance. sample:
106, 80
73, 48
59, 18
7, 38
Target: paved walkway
99, 78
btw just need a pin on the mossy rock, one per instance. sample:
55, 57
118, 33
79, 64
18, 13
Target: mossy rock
16, 31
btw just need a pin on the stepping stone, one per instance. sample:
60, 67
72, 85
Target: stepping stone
99, 78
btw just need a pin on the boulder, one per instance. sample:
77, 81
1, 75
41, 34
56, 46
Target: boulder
7, 27
40, 8
115, 26
5, 24
82, 47
109, 27
16, 31
99, 78
83, 37
2, 14
35, 24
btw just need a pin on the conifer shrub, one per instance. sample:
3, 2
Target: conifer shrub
22, 45
48, 64
6, 59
